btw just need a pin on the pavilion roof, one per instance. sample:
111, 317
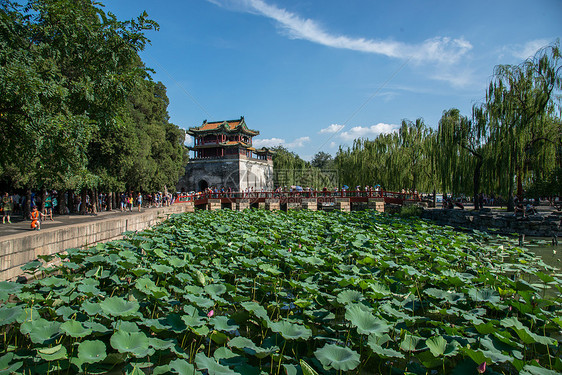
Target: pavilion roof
228, 126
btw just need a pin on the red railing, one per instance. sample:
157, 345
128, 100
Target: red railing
353, 195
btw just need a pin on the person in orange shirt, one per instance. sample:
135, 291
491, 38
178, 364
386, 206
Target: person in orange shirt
36, 216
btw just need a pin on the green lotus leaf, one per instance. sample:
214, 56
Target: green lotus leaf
212, 366
193, 320
439, 346
535, 370
484, 295
125, 326
54, 282
90, 308
74, 328
6, 367
31, 266
255, 308
53, 354
365, 321
176, 323
96, 327
92, 351
41, 331
158, 344
135, 343
116, 306
9, 314
410, 342
182, 367
140, 271
337, 357
223, 323
306, 368
177, 262
291, 331
379, 290
7, 288
383, 352
200, 277
249, 347
161, 370
350, 296
215, 289
162, 268
202, 302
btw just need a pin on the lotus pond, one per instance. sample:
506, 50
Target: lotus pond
259, 292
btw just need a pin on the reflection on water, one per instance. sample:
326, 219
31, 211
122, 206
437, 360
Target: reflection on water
551, 254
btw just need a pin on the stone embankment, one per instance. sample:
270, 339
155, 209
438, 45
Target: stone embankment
19, 249
543, 224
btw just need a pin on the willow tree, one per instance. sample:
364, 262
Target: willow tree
461, 151
518, 101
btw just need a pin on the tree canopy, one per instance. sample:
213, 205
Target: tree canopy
69, 75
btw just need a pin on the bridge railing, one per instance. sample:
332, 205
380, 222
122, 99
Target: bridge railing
389, 195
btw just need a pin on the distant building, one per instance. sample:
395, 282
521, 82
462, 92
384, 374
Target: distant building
223, 156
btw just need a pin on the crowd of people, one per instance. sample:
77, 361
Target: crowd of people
43, 205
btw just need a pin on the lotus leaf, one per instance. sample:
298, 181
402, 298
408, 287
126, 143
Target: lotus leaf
291, 331
41, 331
535, 370
439, 346
6, 367
365, 321
118, 307
306, 368
410, 343
337, 357
54, 353
350, 296
182, 367
213, 368
223, 323
91, 351
485, 295
9, 314
135, 343
215, 289
7, 288
74, 328
202, 302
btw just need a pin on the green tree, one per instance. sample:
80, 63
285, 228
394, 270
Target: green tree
519, 101
66, 67
461, 151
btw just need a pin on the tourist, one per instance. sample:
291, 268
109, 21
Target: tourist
139, 201
7, 206
49, 206
35, 217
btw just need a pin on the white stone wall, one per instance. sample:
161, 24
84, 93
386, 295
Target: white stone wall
257, 174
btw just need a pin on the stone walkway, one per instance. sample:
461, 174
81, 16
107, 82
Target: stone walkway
19, 225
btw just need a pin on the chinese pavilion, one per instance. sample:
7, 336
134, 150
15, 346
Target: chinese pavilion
223, 157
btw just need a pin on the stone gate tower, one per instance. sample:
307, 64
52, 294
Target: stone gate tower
223, 156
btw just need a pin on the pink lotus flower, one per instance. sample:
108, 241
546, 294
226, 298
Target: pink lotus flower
481, 368
210, 313
289, 249
300, 246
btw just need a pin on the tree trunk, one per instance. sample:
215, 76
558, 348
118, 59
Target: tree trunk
43, 197
476, 183
83, 195
27, 208
62, 202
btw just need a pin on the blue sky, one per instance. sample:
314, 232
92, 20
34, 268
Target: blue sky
313, 75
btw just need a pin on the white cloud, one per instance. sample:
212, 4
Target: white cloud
272, 142
267, 142
299, 142
368, 131
334, 128
528, 49
438, 49
188, 140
